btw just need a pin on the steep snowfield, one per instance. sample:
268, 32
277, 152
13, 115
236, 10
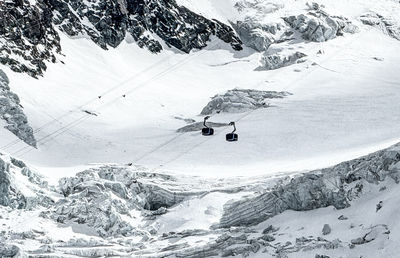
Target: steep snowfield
342, 108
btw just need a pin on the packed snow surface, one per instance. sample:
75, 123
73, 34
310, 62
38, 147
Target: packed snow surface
344, 103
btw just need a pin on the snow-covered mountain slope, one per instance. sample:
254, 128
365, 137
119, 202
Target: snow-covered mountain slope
344, 104
119, 91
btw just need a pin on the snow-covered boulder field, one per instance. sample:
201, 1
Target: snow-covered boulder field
127, 210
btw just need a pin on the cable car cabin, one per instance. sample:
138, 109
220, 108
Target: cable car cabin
232, 137
207, 131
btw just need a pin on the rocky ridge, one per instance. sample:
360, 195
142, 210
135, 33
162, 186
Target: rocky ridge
12, 113
29, 36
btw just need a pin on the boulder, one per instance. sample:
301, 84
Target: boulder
326, 230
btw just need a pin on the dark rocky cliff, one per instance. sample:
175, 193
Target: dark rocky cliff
29, 36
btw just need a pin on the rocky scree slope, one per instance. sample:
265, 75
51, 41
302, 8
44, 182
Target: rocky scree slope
29, 30
125, 205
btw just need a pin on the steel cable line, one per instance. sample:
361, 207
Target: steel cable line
241, 118
200, 143
91, 100
81, 119
176, 137
78, 121
106, 92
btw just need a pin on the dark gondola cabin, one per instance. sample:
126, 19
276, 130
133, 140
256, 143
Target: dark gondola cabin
207, 131
232, 137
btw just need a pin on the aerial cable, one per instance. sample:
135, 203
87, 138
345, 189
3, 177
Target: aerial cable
119, 85
75, 123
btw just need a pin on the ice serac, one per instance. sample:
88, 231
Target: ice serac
319, 26
21, 188
335, 186
260, 33
29, 37
106, 198
258, 36
128, 210
11, 112
241, 100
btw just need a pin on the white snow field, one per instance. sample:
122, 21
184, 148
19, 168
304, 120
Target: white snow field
340, 109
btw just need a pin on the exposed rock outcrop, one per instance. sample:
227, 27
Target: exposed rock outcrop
386, 25
241, 100
279, 60
373, 233
11, 112
28, 37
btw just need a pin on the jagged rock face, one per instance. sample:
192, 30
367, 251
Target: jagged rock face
388, 26
279, 60
319, 26
335, 186
11, 112
29, 28
27, 37
240, 100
